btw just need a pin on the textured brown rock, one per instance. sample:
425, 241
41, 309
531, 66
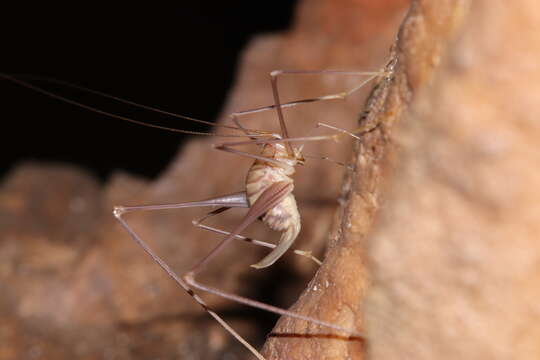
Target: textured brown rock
455, 253
448, 200
75, 286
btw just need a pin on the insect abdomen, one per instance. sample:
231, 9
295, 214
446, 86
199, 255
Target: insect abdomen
283, 217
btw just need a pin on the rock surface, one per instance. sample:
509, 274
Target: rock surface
437, 253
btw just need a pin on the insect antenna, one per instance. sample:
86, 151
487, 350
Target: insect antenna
16, 80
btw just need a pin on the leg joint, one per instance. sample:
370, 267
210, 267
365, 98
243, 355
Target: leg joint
118, 211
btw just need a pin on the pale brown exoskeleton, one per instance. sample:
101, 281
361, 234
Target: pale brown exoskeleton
268, 193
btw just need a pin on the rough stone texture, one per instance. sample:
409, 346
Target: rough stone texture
75, 286
437, 254
455, 253
448, 197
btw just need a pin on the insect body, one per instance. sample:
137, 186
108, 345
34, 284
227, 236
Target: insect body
283, 217
268, 195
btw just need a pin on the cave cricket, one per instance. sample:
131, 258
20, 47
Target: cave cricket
268, 193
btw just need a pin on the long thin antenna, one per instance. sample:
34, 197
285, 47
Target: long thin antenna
120, 117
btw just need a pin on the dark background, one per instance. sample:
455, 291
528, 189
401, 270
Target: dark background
181, 59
